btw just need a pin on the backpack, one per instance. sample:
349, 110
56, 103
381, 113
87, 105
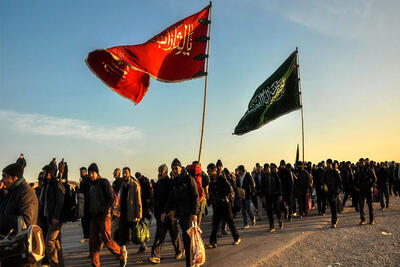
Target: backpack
197, 173
74, 204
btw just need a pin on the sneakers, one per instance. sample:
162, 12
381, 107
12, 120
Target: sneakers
281, 224
333, 225
362, 223
237, 242
211, 245
179, 255
154, 260
372, 222
124, 260
272, 229
83, 240
253, 223
246, 227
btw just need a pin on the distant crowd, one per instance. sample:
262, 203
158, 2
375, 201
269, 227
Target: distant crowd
114, 214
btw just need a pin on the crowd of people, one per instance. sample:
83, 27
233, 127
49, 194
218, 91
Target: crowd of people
183, 196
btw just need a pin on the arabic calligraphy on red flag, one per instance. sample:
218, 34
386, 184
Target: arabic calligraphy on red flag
176, 54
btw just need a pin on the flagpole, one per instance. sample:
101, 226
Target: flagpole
205, 86
301, 103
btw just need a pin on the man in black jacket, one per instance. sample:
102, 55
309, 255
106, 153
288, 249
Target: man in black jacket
52, 204
246, 182
161, 192
318, 177
101, 199
347, 175
272, 190
84, 188
333, 182
364, 184
184, 200
303, 186
221, 197
383, 178
17, 201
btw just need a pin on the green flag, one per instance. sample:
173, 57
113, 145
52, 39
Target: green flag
275, 97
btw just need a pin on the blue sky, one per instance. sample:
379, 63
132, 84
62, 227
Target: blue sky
53, 106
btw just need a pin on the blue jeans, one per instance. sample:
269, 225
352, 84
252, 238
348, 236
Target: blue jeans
246, 211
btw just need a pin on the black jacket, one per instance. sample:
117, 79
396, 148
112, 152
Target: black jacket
52, 199
365, 179
162, 190
248, 185
258, 187
271, 184
183, 197
304, 182
382, 177
333, 181
288, 179
101, 198
84, 188
220, 191
18, 200
347, 175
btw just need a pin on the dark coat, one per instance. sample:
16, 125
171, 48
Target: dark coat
101, 198
162, 190
333, 181
220, 191
18, 200
288, 179
272, 188
304, 182
116, 185
52, 199
84, 188
248, 185
383, 177
365, 179
258, 187
183, 197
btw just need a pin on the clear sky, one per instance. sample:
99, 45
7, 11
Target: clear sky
53, 106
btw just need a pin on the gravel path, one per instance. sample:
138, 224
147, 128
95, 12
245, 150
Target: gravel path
349, 244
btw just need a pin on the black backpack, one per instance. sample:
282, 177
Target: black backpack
74, 203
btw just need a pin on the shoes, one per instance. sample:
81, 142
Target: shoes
142, 249
281, 224
362, 223
154, 260
237, 242
246, 227
124, 260
382, 209
211, 245
83, 240
294, 214
253, 223
179, 255
272, 229
333, 225
372, 222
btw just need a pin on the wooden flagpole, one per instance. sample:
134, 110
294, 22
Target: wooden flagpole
301, 103
205, 85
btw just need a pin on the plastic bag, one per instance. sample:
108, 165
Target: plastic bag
141, 233
197, 250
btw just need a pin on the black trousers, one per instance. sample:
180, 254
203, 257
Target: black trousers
383, 191
332, 200
272, 203
321, 200
85, 221
161, 231
185, 224
223, 211
366, 196
302, 202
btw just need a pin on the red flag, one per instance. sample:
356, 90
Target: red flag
176, 54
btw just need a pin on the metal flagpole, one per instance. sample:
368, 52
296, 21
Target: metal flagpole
205, 85
301, 104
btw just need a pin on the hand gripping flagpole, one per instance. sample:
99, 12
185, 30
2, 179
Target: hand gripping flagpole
205, 85
301, 103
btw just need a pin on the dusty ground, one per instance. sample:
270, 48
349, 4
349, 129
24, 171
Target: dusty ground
349, 244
